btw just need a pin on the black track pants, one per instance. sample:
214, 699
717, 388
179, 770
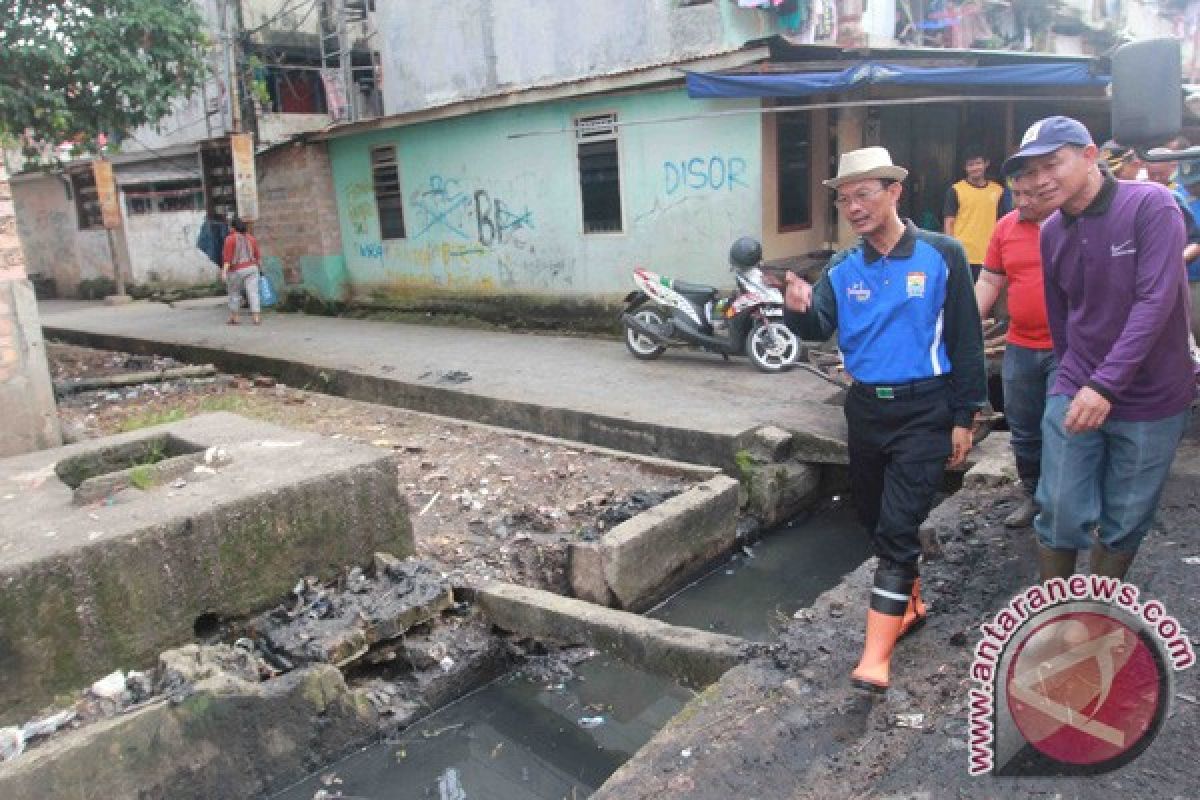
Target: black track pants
898, 451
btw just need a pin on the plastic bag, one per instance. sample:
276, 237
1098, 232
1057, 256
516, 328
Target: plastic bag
266, 292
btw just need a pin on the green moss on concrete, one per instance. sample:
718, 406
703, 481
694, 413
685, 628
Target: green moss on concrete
39, 639
745, 464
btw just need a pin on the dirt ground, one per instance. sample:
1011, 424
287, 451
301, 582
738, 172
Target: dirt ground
485, 502
790, 726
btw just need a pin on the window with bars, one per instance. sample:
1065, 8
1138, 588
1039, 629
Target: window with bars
385, 175
87, 200
599, 173
157, 198
793, 149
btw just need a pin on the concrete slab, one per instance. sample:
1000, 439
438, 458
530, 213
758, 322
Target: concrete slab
688, 406
85, 589
696, 658
228, 738
646, 558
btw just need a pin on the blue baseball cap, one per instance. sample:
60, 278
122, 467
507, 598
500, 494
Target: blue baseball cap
1046, 136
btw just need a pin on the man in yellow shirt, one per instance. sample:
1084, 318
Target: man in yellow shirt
971, 209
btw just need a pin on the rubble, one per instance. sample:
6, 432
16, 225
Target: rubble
339, 627
527, 498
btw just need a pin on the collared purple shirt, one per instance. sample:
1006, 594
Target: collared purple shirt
1117, 301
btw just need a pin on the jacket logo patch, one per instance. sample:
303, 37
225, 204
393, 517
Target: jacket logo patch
1123, 249
859, 292
914, 284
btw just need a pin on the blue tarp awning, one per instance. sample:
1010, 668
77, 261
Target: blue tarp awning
865, 73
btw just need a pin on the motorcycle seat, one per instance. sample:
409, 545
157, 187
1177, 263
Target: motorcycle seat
695, 289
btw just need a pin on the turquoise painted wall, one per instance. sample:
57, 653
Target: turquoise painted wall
487, 213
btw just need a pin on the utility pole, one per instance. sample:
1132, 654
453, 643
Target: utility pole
231, 76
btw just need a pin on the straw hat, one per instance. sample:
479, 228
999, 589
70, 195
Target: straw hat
869, 162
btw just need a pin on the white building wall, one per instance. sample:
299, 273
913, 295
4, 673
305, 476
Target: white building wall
435, 52
162, 249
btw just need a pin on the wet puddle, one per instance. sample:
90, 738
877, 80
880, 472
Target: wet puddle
515, 739
760, 586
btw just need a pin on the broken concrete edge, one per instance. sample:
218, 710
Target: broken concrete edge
991, 462
693, 657
227, 738
646, 558
621, 435
76, 605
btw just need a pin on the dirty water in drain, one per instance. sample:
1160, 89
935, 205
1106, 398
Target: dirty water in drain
763, 584
521, 739
515, 739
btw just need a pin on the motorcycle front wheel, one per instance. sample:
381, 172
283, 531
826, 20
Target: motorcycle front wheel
640, 345
772, 346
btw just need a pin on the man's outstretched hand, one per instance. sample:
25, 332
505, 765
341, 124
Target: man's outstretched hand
797, 294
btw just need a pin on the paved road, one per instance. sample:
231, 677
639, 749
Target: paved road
689, 406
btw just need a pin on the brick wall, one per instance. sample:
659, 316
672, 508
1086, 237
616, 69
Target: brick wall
297, 206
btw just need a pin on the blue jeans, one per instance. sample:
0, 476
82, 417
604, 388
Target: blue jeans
1027, 375
1111, 478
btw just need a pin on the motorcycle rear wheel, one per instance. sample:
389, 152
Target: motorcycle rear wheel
640, 345
772, 346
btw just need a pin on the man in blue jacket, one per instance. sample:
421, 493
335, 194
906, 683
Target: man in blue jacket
903, 304
1117, 305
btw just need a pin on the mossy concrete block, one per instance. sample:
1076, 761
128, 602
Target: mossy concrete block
85, 590
229, 738
642, 560
778, 492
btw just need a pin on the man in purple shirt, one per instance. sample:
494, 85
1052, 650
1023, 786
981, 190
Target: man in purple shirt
1117, 304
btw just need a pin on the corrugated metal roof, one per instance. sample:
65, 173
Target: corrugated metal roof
641, 76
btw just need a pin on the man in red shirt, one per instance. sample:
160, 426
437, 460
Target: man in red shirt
1014, 259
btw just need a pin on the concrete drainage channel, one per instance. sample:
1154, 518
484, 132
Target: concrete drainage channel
243, 719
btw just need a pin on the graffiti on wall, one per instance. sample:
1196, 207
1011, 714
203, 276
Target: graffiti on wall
444, 208
700, 174
495, 220
459, 231
360, 207
441, 207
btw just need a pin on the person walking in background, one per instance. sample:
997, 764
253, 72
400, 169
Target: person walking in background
1014, 261
240, 271
902, 305
971, 209
1117, 307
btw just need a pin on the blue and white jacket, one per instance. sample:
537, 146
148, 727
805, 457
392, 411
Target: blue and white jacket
906, 316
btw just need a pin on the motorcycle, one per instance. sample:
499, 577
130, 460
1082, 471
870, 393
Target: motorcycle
663, 313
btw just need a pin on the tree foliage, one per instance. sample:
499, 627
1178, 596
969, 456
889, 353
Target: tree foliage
75, 69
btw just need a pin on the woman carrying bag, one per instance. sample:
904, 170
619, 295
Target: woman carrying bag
240, 271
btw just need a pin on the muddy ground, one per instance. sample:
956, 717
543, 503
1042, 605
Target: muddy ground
790, 726
486, 503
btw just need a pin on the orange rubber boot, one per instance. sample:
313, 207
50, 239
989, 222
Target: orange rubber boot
873, 670
914, 615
